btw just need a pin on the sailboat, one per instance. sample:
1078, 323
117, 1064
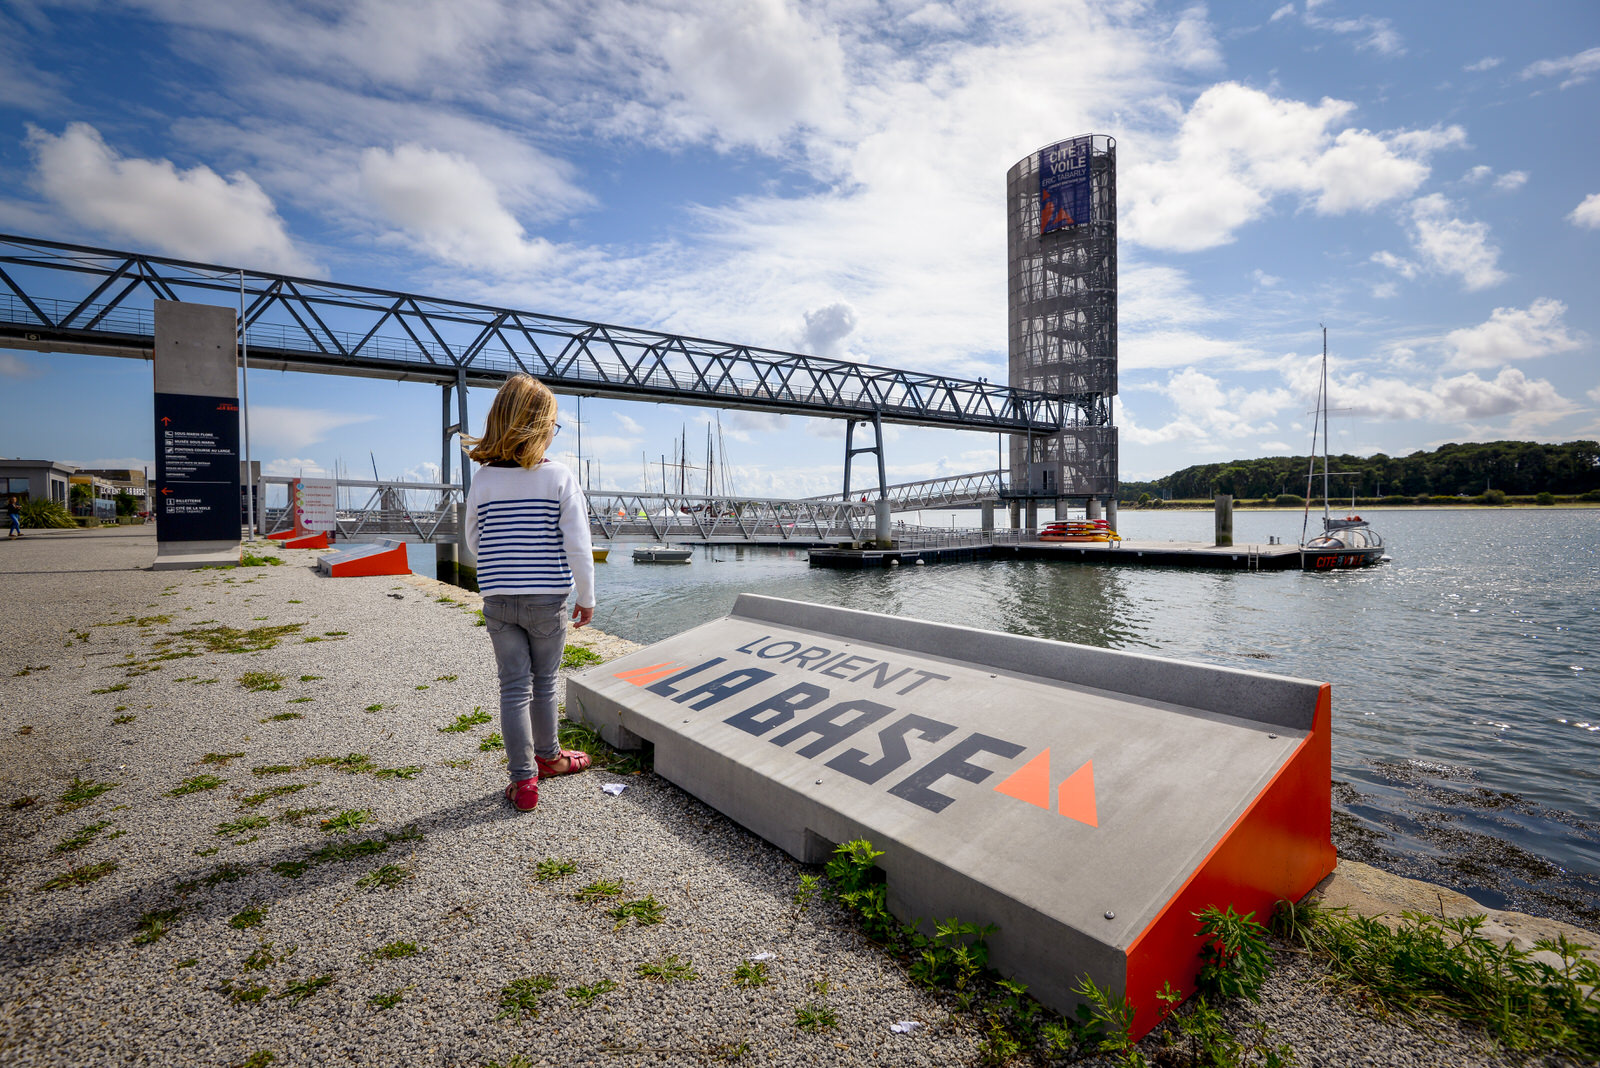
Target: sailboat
1344, 543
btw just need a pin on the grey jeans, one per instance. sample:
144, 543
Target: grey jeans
529, 632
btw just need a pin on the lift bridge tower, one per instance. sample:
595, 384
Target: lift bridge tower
1061, 243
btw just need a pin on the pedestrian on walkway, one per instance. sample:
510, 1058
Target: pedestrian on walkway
14, 514
528, 525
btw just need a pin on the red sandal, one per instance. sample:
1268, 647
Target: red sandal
577, 760
523, 794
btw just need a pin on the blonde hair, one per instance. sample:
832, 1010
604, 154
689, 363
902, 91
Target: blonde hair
521, 422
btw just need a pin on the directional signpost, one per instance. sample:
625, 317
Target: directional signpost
1087, 802
196, 436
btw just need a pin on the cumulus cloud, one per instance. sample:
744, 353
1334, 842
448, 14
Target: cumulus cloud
14, 366
1444, 399
1512, 334
292, 429
1587, 214
1370, 31
195, 213
294, 467
1511, 180
1398, 264
443, 202
1146, 349
1207, 410
1486, 63
1238, 148
826, 329
1450, 245
1573, 70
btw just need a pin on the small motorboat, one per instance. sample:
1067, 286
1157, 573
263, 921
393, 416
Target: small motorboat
662, 554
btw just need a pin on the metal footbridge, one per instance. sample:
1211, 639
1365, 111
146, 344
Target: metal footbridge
427, 512
57, 297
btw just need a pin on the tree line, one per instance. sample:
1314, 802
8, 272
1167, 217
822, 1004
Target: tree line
1511, 467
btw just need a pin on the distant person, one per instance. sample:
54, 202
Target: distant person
14, 514
528, 525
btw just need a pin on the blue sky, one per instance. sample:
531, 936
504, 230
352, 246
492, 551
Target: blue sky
829, 177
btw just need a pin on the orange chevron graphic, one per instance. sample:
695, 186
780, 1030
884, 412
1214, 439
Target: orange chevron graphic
1076, 797
1031, 782
646, 675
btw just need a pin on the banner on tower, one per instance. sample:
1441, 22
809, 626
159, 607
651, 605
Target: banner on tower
1064, 184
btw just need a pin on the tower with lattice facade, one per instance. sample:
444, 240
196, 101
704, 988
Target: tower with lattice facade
1061, 243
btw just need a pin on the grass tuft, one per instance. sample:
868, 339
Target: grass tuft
195, 784
346, 821
579, 656
397, 950
82, 837
297, 992
82, 875
252, 915
644, 912
751, 973
80, 793
466, 721
669, 969
550, 868
520, 997
271, 792
586, 995
387, 877
154, 925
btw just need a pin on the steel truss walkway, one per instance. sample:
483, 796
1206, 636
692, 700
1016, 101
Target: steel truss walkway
951, 491
426, 512
70, 298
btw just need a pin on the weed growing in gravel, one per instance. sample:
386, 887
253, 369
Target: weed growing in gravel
273, 769
309, 678
263, 958
82, 837
239, 826
336, 633
261, 680
80, 793
224, 873
367, 847
551, 868
252, 560
346, 821
520, 997
585, 996
153, 925
445, 678
259, 1059
579, 656
669, 969
1450, 967
128, 718
374, 708
195, 784
187, 962
22, 802
223, 759
206, 852
814, 1016
492, 743
301, 700
728, 1051
600, 888
282, 716
410, 771
291, 869
477, 618
464, 762
387, 877
351, 764
421, 686
116, 688
232, 640
252, 915
25, 730
248, 994
268, 794
380, 1002
466, 721
644, 912
397, 950
298, 991
82, 875
751, 973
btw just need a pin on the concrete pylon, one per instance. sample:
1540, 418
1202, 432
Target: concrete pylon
987, 522
1223, 504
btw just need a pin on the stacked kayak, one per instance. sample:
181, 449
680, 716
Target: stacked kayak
1079, 530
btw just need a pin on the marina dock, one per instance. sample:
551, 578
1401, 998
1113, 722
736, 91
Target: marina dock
1248, 557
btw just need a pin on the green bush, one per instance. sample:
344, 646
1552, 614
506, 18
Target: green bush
1545, 498
40, 512
1493, 496
1289, 500
1592, 495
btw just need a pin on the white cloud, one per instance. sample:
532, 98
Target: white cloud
1594, 394
1286, 11
194, 214
1574, 70
1453, 246
1512, 334
1477, 174
1403, 267
826, 328
292, 429
1511, 180
294, 467
1458, 400
1143, 350
1208, 411
444, 203
14, 366
1377, 34
1587, 214
629, 425
1238, 148
1486, 63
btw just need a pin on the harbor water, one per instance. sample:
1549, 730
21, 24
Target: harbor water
1465, 672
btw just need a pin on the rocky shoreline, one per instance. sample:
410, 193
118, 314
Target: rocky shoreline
239, 817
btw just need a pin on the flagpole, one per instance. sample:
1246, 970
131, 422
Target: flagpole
244, 351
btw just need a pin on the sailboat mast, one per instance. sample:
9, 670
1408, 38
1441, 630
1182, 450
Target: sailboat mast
1323, 407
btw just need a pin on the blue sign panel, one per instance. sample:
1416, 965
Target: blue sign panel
1064, 184
197, 468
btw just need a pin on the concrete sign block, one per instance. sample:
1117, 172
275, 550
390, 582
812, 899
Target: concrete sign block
1087, 802
383, 557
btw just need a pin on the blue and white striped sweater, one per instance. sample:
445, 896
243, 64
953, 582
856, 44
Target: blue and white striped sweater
530, 532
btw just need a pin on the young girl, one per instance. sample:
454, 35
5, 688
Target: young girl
528, 525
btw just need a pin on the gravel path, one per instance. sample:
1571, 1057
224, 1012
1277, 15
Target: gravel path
275, 925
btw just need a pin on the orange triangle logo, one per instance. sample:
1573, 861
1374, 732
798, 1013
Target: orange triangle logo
646, 675
1075, 800
1031, 782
